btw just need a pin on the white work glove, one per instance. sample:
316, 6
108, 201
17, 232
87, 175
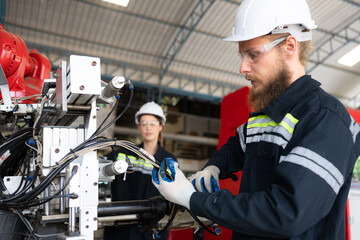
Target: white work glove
172, 183
206, 180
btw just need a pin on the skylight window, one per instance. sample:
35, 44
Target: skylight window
123, 3
351, 58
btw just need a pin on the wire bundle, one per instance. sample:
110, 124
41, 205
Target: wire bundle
20, 149
15, 158
16, 153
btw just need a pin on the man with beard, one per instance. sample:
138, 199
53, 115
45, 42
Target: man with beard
297, 150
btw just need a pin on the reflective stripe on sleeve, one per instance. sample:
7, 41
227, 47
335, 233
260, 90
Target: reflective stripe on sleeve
268, 138
354, 129
262, 128
240, 131
317, 164
121, 156
138, 164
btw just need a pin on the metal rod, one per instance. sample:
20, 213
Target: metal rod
62, 199
72, 214
156, 205
47, 204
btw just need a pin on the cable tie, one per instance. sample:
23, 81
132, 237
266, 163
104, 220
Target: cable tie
114, 145
72, 151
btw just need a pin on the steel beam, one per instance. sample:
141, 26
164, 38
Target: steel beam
184, 32
145, 76
333, 44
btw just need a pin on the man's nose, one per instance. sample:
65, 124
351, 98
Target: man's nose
245, 66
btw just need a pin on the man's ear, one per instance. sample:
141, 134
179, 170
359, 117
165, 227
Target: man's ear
291, 46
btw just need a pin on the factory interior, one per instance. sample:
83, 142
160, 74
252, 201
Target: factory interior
75, 74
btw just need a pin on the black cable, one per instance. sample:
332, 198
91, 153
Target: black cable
47, 199
13, 153
23, 199
26, 223
202, 224
33, 179
120, 115
42, 186
109, 114
170, 221
25, 172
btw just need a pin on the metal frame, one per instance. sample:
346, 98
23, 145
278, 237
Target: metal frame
163, 80
148, 77
182, 35
333, 44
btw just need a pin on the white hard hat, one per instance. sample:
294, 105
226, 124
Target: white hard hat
152, 109
257, 18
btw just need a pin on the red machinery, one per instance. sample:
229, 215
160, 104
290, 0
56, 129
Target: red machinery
25, 71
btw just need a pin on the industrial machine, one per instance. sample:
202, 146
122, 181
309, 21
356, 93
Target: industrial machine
49, 139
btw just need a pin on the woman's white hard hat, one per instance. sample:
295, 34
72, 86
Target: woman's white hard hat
257, 18
150, 108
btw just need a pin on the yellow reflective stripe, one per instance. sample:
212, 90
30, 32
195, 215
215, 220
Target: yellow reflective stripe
272, 123
258, 117
146, 164
141, 162
121, 156
286, 126
291, 118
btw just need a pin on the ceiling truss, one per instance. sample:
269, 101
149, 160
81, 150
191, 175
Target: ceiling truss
163, 79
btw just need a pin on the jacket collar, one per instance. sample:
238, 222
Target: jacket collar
277, 109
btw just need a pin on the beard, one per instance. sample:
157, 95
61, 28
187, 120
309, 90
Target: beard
277, 84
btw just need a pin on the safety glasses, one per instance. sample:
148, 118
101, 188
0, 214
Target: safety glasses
253, 55
149, 123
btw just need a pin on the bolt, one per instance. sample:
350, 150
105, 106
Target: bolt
93, 63
94, 117
82, 87
95, 219
57, 150
95, 183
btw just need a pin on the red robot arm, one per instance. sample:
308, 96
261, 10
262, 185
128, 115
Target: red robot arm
25, 71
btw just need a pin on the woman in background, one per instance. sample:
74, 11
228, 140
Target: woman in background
136, 184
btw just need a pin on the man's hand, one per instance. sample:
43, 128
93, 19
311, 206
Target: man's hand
206, 180
172, 184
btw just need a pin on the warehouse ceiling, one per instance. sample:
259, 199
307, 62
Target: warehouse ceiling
176, 45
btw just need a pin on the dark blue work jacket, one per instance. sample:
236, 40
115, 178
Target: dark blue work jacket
136, 185
297, 157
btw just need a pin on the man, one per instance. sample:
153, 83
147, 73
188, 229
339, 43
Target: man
297, 150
